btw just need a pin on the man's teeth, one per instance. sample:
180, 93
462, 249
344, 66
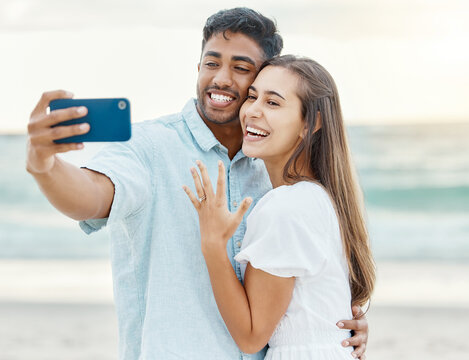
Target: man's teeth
219, 97
256, 131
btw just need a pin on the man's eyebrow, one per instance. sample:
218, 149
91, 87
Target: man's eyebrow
234, 58
244, 58
269, 92
213, 54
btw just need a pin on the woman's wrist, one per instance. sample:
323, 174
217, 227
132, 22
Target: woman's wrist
215, 250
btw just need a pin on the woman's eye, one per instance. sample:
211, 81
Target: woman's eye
273, 103
250, 97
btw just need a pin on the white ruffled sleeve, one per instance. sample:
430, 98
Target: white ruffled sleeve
284, 243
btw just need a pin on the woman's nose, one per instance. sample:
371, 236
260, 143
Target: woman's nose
253, 110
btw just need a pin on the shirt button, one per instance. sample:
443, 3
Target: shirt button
235, 203
238, 244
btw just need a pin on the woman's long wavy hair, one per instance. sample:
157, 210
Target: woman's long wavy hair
328, 156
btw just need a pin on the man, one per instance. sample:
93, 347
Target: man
164, 302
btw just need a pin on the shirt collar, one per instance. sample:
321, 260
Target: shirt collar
201, 133
199, 130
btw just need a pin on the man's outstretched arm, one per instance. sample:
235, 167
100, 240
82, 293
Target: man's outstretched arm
78, 193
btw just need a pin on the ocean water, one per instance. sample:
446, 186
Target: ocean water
416, 184
415, 180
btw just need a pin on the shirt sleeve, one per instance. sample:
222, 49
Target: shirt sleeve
126, 164
284, 243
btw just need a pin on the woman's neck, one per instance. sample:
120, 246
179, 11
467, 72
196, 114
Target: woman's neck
275, 174
276, 168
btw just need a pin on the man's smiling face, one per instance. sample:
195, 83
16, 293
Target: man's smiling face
227, 68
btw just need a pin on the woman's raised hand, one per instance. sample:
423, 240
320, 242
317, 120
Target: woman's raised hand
217, 223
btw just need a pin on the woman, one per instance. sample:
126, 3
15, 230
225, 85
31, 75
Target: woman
306, 249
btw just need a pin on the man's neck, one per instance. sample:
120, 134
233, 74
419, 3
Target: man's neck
229, 135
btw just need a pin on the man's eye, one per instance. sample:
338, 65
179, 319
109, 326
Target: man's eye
211, 64
241, 69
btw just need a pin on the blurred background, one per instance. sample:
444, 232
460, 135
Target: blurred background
402, 72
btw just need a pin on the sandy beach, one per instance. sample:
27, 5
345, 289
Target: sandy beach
63, 310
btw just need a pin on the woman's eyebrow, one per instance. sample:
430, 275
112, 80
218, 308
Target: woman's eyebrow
269, 92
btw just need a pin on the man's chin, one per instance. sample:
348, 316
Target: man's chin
219, 116
222, 120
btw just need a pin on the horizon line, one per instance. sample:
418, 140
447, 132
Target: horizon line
350, 123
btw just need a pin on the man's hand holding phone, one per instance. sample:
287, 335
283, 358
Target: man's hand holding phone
71, 122
41, 133
76, 192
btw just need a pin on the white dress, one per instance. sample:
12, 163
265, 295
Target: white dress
293, 231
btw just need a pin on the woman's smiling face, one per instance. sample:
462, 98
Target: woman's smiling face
271, 116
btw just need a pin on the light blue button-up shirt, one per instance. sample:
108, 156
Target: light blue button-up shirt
164, 300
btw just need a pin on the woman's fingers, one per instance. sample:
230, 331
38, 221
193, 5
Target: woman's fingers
221, 192
243, 208
203, 186
192, 197
205, 179
198, 185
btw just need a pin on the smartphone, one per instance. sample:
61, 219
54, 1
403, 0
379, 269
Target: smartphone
109, 119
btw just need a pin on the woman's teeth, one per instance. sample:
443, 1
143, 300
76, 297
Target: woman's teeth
257, 132
221, 98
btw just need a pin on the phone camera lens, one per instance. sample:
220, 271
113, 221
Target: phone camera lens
122, 105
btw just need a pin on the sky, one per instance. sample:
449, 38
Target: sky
394, 62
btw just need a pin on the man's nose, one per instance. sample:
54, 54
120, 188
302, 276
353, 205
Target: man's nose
223, 77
